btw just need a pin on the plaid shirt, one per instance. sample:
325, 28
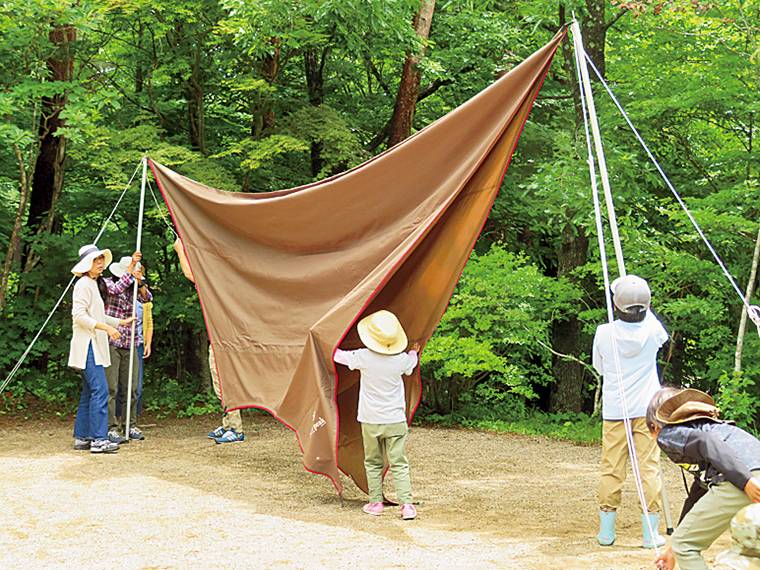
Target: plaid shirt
119, 305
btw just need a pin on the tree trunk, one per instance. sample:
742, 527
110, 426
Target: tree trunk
196, 110
47, 180
567, 392
594, 30
747, 295
24, 191
409, 87
314, 65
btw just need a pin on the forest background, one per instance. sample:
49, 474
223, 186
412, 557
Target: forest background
260, 95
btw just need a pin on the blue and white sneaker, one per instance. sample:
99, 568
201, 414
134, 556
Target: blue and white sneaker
81, 444
103, 446
230, 436
135, 433
115, 437
218, 432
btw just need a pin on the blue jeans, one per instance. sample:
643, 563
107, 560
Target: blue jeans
92, 415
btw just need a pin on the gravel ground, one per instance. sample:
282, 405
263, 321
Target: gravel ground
179, 501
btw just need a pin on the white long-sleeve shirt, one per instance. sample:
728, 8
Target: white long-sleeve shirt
87, 310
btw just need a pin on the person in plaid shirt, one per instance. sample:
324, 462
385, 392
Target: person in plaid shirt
119, 305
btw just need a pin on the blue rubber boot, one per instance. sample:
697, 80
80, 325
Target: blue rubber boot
606, 528
658, 538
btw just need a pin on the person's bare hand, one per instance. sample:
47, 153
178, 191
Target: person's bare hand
666, 559
127, 322
752, 488
138, 275
416, 347
113, 333
146, 352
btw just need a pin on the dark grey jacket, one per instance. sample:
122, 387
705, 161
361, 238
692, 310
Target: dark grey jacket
713, 451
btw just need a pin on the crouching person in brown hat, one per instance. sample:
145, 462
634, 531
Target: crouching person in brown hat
382, 405
725, 462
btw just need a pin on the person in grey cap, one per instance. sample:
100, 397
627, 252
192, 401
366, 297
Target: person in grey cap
625, 354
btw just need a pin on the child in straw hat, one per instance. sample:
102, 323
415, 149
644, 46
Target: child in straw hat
382, 405
725, 462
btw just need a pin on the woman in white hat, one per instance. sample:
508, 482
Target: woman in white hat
89, 349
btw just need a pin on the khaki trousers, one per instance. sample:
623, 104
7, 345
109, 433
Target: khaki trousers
705, 522
117, 376
230, 420
615, 461
388, 438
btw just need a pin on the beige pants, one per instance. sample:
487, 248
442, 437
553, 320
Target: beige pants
705, 522
230, 420
615, 461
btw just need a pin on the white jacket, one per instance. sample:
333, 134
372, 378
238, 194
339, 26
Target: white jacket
88, 310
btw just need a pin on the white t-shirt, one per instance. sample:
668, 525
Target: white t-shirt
381, 390
638, 344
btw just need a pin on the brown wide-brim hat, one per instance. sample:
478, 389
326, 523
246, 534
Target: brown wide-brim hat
687, 405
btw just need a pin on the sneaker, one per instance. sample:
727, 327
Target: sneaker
81, 444
218, 432
408, 512
135, 433
103, 446
373, 508
114, 437
230, 436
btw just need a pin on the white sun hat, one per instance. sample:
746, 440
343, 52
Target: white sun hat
382, 332
120, 268
88, 254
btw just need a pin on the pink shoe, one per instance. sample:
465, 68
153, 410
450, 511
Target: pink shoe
373, 508
408, 512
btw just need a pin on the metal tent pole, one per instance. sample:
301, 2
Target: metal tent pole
132, 347
591, 118
586, 86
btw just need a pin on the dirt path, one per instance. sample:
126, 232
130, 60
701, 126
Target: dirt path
177, 501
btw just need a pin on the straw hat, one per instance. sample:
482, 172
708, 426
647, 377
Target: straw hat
88, 254
382, 332
120, 268
689, 404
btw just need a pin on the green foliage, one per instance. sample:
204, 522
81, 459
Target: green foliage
512, 415
166, 396
487, 343
735, 400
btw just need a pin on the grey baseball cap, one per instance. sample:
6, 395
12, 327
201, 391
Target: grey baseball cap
629, 292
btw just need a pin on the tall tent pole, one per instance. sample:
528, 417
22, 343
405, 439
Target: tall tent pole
134, 299
591, 117
586, 85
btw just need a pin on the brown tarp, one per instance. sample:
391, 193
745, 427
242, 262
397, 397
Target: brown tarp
283, 276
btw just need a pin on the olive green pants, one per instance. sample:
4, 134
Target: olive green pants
388, 438
705, 522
